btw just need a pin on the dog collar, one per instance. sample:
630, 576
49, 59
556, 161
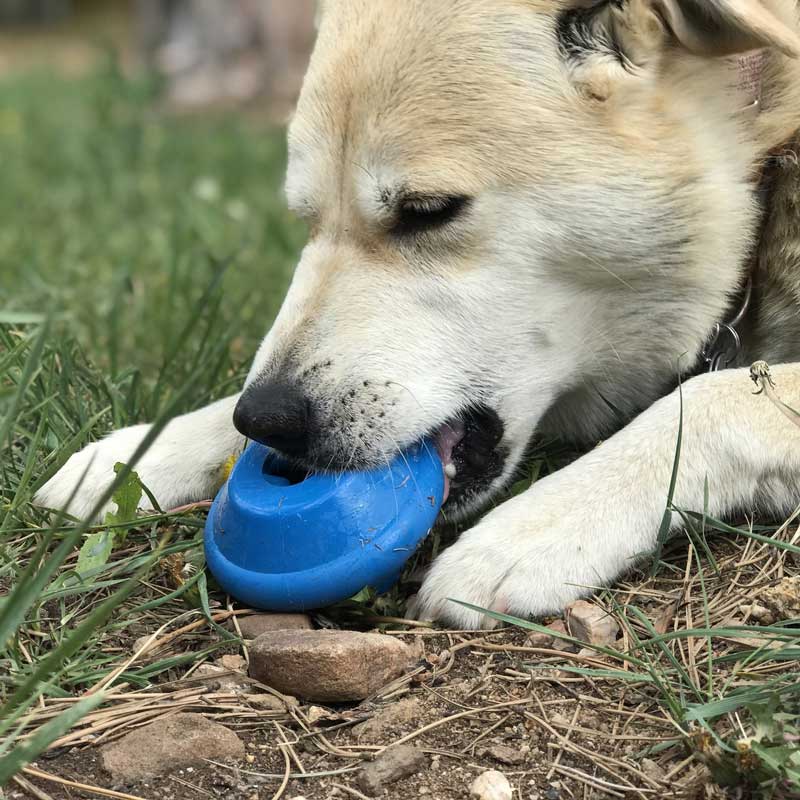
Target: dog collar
749, 78
725, 342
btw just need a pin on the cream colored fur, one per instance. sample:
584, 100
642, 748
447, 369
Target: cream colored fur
612, 220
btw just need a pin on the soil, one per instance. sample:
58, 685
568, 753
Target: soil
577, 737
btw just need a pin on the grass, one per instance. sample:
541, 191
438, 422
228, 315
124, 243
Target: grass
130, 248
142, 259
730, 689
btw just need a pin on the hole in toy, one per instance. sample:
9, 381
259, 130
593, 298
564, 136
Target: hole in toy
282, 473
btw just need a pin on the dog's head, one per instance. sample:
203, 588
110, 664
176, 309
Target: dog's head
520, 211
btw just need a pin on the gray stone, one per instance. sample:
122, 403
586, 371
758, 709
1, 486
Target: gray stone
400, 712
183, 740
220, 679
510, 756
392, 765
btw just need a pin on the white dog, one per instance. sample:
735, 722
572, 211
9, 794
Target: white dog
524, 216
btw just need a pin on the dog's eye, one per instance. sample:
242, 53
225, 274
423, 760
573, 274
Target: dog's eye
420, 214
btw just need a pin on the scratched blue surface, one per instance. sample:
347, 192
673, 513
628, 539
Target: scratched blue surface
283, 542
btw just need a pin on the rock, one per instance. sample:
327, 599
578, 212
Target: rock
537, 639
492, 785
591, 624
590, 652
328, 666
560, 644
652, 769
253, 626
184, 740
268, 702
392, 765
317, 715
760, 614
219, 679
778, 602
510, 756
391, 716
233, 663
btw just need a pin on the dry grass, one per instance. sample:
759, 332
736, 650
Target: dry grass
603, 720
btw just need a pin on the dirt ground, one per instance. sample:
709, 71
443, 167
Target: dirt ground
473, 703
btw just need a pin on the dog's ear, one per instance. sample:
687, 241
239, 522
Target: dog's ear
636, 30
725, 27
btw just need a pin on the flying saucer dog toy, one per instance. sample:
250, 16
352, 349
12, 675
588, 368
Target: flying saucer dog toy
279, 540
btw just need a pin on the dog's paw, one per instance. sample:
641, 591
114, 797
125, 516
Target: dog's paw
78, 486
183, 465
510, 563
175, 472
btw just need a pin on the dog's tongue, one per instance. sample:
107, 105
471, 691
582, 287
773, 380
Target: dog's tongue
446, 439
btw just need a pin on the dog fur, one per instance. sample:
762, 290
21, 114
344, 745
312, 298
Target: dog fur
610, 170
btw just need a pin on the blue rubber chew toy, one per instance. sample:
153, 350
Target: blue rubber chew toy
280, 541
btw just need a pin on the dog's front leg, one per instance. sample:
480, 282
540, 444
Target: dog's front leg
585, 525
183, 465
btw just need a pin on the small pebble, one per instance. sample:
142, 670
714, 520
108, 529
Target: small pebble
392, 765
235, 663
561, 644
492, 785
538, 639
591, 624
510, 756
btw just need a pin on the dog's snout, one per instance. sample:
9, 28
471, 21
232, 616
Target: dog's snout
275, 413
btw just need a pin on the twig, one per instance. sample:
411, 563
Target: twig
349, 790
474, 743
199, 506
596, 758
32, 790
570, 729
115, 673
288, 767
445, 720
190, 785
296, 776
84, 787
238, 630
292, 751
595, 782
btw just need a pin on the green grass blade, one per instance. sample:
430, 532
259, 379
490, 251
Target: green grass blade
35, 745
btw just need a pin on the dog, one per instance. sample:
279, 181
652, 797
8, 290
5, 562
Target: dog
528, 218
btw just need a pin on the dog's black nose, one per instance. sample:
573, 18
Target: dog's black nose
274, 413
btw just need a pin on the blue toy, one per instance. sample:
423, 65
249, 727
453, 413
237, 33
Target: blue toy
282, 541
